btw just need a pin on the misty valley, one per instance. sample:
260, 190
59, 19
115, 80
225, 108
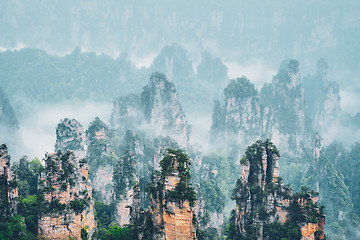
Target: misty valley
171, 151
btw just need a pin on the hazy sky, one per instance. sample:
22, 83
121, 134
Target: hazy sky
251, 37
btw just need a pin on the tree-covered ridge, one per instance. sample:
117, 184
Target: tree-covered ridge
77, 75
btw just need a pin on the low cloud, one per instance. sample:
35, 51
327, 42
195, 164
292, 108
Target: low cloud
350, 101
38, 124
200, 129
143, 61
256, 71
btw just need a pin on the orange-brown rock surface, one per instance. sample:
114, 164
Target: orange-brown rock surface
173, 216
68, 204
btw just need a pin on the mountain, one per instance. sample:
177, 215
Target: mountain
157, 112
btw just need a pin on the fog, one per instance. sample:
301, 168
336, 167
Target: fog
257, 72
37, 128
71, 59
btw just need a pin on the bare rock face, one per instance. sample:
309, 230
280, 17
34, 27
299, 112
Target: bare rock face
101, 160
127, 173
157, 112
242, 111
126, 113
265, 209
68, 206
163, 111
283, 108
278, 112
323, 99
70, 136
172, 199
8, 186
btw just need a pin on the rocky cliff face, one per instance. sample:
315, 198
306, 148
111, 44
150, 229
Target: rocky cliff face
70, 136
67, 208
278, 112
8, 186
283, 108
323, 99
126, 113
242, 111
68, 205
172, 199
158, 113
323, 176
265, 209
127, 174
101, 160
163, 111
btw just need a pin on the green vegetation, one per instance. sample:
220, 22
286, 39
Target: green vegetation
14, 228
103, 214
174, 160
119, 233
84, 234
78, 205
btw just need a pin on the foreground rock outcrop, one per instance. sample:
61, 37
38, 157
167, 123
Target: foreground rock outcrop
265, 209
173, 199
68, 206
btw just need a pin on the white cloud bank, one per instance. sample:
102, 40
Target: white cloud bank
37, 127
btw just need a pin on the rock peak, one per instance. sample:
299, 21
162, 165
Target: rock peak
70, 136
264, 205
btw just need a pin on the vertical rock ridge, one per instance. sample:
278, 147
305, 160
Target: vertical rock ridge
8, 185
68, 206
265, 208
173, 198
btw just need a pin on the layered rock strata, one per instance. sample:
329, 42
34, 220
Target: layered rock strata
172, 199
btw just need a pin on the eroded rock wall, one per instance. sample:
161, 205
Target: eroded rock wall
263, 202
68, 205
